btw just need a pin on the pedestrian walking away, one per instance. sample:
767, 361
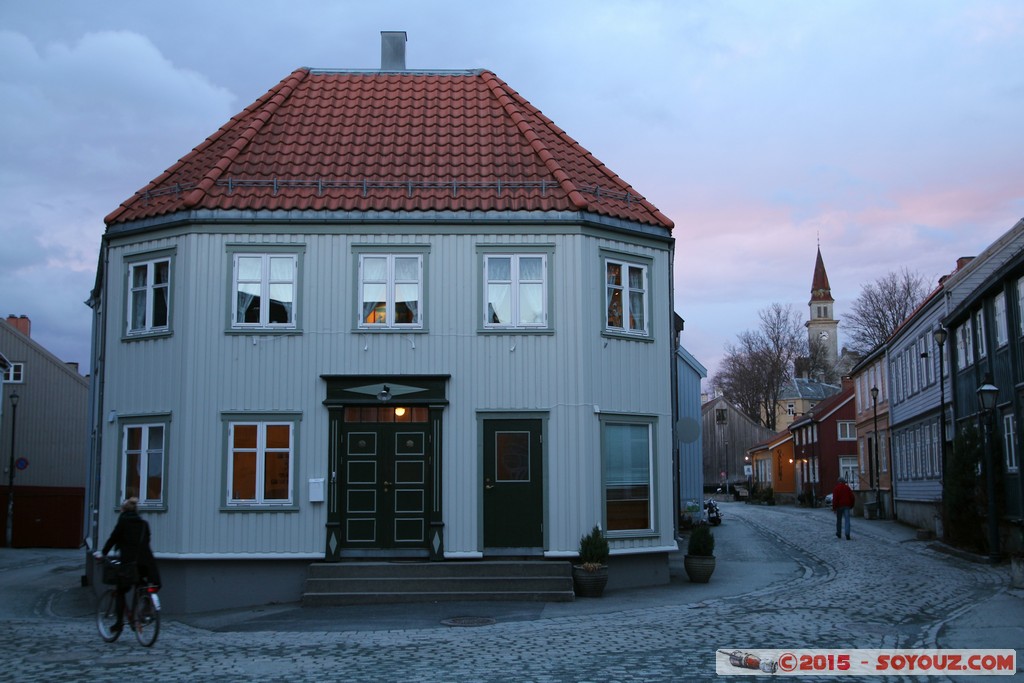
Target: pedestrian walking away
131, 537
842, 504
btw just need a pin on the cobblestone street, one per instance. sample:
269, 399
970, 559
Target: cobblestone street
883, 589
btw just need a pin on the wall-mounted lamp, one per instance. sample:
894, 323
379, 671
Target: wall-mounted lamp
399, 412
111, 416
384, 394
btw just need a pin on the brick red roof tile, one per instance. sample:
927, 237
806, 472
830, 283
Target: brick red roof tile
373, 141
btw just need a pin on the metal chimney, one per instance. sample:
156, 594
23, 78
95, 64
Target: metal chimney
392, 50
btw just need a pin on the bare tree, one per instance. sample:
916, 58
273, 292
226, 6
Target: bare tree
881, 306
754, 371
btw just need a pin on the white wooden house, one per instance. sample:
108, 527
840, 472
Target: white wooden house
384, 314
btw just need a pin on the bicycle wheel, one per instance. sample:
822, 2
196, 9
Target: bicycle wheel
147, 619
106, 616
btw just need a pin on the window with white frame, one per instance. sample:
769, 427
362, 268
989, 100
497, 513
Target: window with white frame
391, 290
847, 430
1020, 306
143, 461
628, 475
15, 374
979, 322
914, 365
516, 291
999, 319
964, 345
260, 462
265, 287
1010, 443
625, 297
149, 296
848, 469
791, 409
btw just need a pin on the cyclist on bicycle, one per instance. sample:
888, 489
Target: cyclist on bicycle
131, 536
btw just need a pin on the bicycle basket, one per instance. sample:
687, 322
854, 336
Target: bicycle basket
115, 571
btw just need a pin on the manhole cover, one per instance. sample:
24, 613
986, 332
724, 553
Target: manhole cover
469, 621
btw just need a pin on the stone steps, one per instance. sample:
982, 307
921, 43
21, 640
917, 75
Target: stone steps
359, 583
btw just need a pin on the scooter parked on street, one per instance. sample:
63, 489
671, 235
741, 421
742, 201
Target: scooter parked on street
714, 514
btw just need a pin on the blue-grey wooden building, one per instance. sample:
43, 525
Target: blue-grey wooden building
394, 314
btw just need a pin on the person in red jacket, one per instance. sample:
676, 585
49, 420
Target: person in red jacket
842, 504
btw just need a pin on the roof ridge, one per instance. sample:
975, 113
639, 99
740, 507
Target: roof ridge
273, 99
495, 85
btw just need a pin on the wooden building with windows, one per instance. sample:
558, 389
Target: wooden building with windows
984, 316
50, 444
394, 314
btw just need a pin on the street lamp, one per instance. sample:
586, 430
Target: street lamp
10, 469
939, 335
878, 472
987, 395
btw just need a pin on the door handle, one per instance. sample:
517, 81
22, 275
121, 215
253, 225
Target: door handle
387, 486
487, 484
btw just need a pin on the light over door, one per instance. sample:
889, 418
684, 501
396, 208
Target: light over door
513, 487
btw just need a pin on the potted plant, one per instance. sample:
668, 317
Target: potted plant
591, 574
699, 560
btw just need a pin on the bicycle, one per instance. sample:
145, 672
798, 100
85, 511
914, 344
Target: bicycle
142, 615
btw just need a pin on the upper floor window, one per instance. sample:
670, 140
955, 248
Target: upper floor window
149, 296
999, 319
847, 431
979, 321
143, 462
964, 345
626, 297
391, 290
1020, 305
265, 286
515, 291
15, 374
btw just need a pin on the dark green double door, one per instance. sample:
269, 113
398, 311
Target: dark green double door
384, 488
513, 470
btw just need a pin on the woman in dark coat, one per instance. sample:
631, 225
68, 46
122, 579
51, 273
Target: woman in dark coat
131, 536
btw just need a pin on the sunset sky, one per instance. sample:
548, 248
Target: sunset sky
890, 132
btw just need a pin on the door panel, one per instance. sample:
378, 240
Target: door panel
513, 484
384, 478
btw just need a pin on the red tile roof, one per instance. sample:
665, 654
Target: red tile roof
373, 141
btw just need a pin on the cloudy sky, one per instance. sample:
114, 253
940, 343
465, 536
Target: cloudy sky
893, 132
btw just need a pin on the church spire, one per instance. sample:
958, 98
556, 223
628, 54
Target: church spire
820, 289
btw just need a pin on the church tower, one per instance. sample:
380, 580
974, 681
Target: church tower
821, 326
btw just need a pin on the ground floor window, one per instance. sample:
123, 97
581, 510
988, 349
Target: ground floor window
628, 475
143, 457
848, 469
260, 462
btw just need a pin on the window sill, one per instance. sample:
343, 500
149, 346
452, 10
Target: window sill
259, 507
246, 331
627, 336
140, 336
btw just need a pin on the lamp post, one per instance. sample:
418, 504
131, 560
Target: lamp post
987, 395
939, 335
10, 470
878, 472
